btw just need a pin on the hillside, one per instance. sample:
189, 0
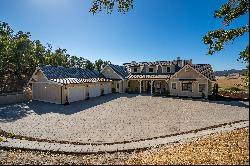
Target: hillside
227, 72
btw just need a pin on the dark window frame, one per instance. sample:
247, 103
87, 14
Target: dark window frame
135, 70
174, 84
151, 70
203, 88
187, 86
168, 69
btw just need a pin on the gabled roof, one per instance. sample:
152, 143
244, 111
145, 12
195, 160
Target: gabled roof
120, 70
65, 75
205, 69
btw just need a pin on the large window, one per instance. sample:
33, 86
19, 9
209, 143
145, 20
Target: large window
187, 87
202, 87
135, 70
168, 69
173, 85
151, 70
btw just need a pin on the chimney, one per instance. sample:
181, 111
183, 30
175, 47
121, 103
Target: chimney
180, 62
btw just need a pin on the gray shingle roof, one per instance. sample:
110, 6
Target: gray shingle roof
150, 63
71, 75
121, 70
205, 69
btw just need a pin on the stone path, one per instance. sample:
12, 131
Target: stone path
69, 148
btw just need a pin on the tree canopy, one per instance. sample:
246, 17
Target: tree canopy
216, 39
19, 56
109, 5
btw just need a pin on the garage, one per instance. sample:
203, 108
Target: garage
94, 90
60, 85
76, 93
107, 88
46, 92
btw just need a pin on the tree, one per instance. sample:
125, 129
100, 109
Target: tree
100, 64
89, 65
109, 5
216, 39
19, 57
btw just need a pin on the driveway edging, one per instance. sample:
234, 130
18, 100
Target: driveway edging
70, 148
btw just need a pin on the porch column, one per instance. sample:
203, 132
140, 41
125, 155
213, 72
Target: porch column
207, 90
140, 86
151, 87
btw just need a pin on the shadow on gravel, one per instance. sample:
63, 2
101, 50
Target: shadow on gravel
244, 104
14, 112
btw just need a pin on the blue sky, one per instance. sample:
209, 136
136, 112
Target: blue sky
154, 30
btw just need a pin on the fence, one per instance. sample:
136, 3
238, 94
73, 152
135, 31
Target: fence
13, 98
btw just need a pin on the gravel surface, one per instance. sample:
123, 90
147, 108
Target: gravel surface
230, 148
117, 118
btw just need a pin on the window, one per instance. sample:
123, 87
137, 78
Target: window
151, 70
135, 70
202, 87
174, 85
117, 85
128, 84
187, 87
168, 69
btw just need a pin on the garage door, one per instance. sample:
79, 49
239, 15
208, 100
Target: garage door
94, 90
76, 93
107, 88
46, 92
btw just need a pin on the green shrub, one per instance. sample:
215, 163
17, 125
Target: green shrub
1, 139
11, 135
203, 95
102, 92
113, 90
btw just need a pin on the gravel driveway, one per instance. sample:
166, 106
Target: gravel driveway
117, 118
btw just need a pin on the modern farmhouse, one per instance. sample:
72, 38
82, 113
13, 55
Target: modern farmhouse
177, 78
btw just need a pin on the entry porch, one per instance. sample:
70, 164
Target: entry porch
148, 85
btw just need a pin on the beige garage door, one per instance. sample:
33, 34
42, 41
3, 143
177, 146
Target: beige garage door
76, 93
107, 88
46, 92
94, 90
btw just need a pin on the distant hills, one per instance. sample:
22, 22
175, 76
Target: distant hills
227, 72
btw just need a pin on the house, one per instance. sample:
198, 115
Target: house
177, 78
118, 76
60, 85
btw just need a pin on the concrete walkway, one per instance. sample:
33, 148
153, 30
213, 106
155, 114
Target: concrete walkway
69, 148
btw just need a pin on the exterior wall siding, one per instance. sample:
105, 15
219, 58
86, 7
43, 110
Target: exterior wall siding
189, 74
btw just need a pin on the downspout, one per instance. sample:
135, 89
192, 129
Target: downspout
61, 94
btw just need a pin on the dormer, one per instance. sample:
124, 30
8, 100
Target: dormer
168, 69
151, 69
135, 69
